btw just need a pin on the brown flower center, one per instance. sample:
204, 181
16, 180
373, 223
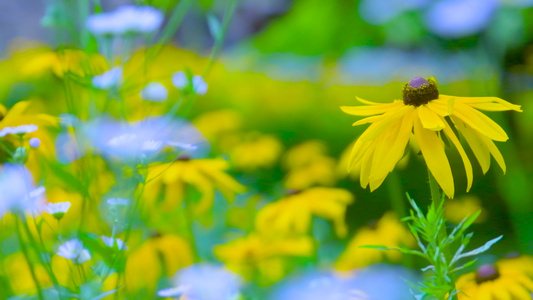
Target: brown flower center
420, 91
487, 272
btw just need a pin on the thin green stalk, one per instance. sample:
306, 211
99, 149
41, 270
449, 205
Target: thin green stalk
83, 12
219, 40
438, 198
24, 249
174, 22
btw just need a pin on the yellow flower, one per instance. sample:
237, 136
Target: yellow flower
388, 232
499, 281
23, 113
256, 151
308, 166
157, 256
422, 112
293, 213
205, 175
455, 210
265, 255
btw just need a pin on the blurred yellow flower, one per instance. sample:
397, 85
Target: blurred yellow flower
158, 256
23, 113
293, 213
77, 62
256, 151
455, 210
204, 175
423, 110
304, 153
16, 270
388, 232
498, 281
257, 254
215, 124
308, 165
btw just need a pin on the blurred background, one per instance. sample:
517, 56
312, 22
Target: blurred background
287, 65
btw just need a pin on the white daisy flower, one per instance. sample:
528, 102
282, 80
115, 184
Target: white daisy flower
74, 251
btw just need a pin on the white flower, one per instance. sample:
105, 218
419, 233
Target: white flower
74, 251
35, 142
142, 139
204, 282
180, 80
110, 242
155, 92
58, 209
197, 83
18, 194
18, 130
126, 19
109, 79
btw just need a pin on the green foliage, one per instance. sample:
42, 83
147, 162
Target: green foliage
436, 250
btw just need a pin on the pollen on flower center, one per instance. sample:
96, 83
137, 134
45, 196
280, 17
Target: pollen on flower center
420, 91
487, 272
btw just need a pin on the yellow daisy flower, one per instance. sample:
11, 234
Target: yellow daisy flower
388, 232
499, 281
204, 175
293, 214
423, 112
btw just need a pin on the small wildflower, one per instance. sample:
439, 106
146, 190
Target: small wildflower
58, 209
197, 83
22, 129
111, 242
75, 251
423, 112
142, 139
204, 282
155, 92
199, 86
17, 191
126, 19
180, 80
109, 79
35, 142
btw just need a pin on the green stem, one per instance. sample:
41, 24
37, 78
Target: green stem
219, 40
437, 198
27, 256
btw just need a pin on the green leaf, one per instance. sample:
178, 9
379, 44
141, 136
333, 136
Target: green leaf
479, 250
214, 27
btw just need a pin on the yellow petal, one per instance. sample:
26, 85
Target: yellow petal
481, 152
392, 150
479, 122
368, 120
370, 110
377, 128
494, 151
468, 166
429, 119
366, 165
433, 151
489, 103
